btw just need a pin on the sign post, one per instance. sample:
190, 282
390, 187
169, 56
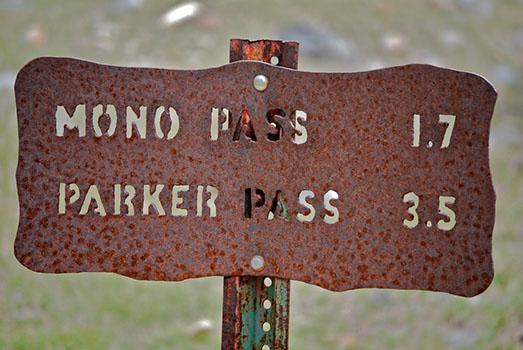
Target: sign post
256, 309
376, 179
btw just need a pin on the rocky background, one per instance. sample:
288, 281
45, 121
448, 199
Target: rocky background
104, 311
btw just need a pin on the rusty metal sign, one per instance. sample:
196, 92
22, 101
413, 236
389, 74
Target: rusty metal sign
342, 180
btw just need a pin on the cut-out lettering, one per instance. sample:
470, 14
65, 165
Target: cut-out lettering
117, 198
261, 198
416, 130
213, 191
215, 122
98, 112
335, 215
450, 120
446, 211
76, 121
152, 199
61, 199
140, 122
74, 187
248, 201
443, 209
199, 201
175, 122
128, 202
302, 199
275, 118
93, 194
300, 136
62, 194
244, 123
411, 197
278, 207
176, 200
247, 210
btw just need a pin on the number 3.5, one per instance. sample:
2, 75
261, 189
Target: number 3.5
411, 197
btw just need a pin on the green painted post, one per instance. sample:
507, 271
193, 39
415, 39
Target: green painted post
255, 313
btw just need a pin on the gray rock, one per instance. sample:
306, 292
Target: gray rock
12, 6
201, 326
319, 42
380, 298
443, 5
7, 80
483, 7
503, 74
452, 37
460, 338
427, 57
517, 38
181, 13
128, 4
395, 43
505, 135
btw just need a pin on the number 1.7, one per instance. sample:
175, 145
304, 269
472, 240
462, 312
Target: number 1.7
443, 118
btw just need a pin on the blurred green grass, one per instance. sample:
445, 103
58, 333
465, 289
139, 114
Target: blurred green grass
104, 311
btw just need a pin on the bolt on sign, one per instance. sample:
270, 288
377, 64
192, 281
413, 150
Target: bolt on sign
341, 180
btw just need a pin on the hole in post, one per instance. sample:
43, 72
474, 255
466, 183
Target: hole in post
275, 60
267, 304
267, 282
266, 326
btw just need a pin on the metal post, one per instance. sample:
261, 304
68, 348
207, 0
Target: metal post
256, 309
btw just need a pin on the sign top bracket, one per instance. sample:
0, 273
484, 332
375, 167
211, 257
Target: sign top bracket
277, 52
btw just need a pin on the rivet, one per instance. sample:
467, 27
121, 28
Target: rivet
257, 263
260, 82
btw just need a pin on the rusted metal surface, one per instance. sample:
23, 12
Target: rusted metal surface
244, 311
286, 52
360, 136
231, 311
280, 314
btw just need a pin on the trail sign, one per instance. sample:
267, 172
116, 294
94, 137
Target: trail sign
342, 180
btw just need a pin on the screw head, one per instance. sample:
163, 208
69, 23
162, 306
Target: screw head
260, 82
257, 263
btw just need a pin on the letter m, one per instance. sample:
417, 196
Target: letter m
76, 121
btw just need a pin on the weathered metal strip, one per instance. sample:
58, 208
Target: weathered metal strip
280, 313
232, 312
286, 52
361, 131
249, 299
